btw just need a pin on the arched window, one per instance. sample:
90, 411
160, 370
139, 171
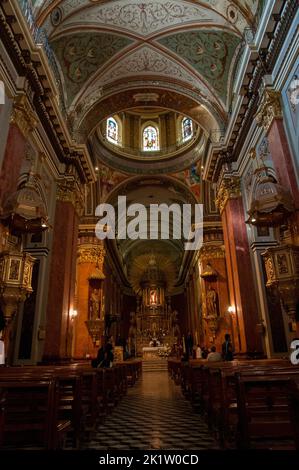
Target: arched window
187, 129
150, 138
112, 131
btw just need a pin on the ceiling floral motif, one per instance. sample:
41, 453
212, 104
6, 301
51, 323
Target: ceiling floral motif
81, 54
142, 18
147, 60
211, 53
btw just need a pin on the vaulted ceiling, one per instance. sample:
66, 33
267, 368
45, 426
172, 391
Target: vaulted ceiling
180, 55
107, 47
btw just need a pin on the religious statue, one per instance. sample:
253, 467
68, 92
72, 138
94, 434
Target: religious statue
153, 297
211, 300
95, 299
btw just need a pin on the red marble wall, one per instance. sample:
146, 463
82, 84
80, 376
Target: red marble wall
13, 157
282, 159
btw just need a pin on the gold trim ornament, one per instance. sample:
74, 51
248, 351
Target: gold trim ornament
15, 280
230, 188
23, 116
270, 109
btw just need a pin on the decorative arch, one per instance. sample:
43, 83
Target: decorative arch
150, 137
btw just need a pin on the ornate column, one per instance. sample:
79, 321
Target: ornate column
240, 275
214, 280
23, 120
270, 117
59, 327
90, 321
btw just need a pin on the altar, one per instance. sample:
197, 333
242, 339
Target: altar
153, 352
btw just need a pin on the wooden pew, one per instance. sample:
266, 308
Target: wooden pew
82, 396
294, 409
29, 407
263, 414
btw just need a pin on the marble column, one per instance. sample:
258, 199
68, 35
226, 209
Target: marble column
61, 301
240, 274
22, 122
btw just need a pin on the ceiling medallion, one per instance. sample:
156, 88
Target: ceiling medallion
56, 16
232, 13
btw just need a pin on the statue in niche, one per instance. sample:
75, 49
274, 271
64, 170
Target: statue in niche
212, 303
95, 300
153, 297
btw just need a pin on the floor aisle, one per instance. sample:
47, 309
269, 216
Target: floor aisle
153, 415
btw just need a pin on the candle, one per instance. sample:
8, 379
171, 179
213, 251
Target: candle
184, 345
2, 353
196, 338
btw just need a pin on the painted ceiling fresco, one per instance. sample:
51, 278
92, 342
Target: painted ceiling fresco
82, 54
210, 53
195, 43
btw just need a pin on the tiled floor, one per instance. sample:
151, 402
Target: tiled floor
153, 415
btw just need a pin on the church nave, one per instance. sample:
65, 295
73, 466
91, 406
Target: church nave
153, 415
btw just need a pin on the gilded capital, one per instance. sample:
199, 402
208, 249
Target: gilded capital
68, 191
230, 188
91, 254
208, 252
23, 116
270, 109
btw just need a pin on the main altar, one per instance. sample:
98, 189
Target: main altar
154, 352
154, 326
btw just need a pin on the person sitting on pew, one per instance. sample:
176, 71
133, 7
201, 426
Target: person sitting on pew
108, 359
214, 355
198, 352
100, 357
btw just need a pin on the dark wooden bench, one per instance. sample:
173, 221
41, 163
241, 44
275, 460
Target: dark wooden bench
262, 405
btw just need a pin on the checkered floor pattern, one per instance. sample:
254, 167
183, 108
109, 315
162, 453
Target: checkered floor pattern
153, 415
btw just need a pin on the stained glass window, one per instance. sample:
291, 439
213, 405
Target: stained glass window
112, 131
187, 129
150, 138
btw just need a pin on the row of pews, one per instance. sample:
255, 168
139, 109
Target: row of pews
247, 404
48, 406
